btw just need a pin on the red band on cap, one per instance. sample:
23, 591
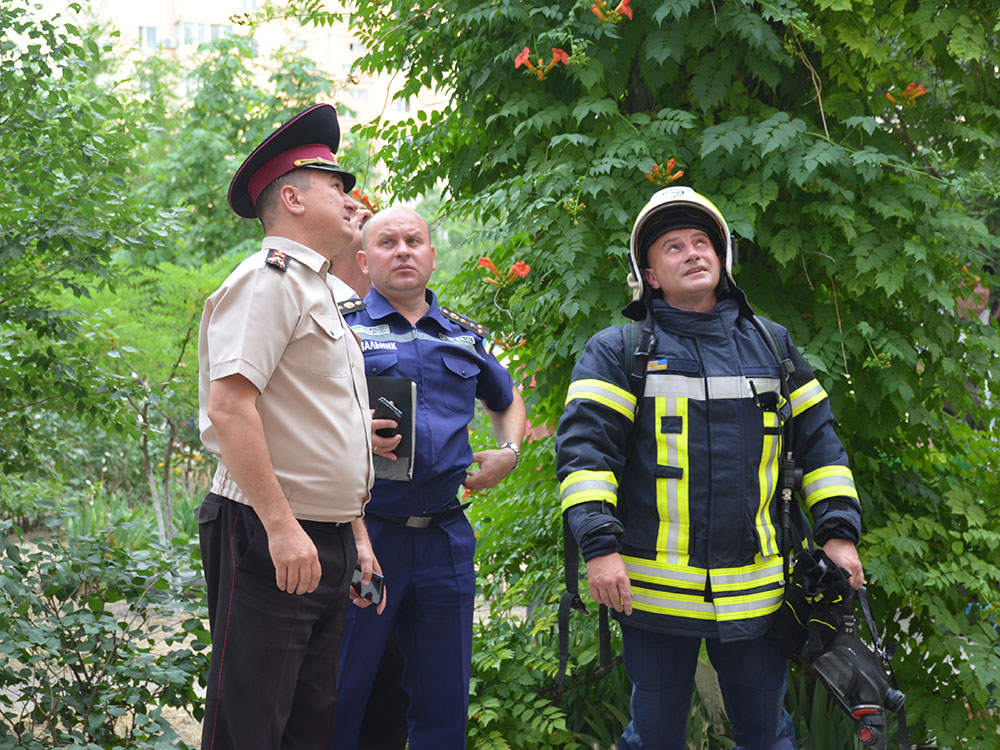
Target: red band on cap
284, 163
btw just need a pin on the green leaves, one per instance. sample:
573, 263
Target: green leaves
861, 221
728, 136
777, 132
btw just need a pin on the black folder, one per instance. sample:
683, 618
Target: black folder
403, 394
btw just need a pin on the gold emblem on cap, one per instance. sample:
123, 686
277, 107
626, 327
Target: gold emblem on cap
314, 161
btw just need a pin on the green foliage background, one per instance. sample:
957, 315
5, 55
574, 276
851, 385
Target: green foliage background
860, 223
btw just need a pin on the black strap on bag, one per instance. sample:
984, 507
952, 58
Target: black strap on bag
638, 345
885, 652
789, 476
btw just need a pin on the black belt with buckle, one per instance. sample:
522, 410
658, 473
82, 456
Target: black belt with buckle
422, 522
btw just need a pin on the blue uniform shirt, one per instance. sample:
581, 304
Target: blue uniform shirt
451, 369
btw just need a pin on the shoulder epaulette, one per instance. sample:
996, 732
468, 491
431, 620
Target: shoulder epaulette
351, 305
469, 325
278, 259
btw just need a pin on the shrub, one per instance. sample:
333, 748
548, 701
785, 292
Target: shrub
91, 652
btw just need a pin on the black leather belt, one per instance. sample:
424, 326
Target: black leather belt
422, 522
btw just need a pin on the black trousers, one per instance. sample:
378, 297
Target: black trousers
384, 726
272, 679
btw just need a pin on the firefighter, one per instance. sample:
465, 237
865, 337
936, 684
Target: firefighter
669, 488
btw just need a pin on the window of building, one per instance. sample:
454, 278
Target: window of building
404, 105
202, 33
359, 93
147, 37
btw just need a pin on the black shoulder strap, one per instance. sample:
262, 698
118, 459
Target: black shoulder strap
789, 476
776, 343
637, 345
354, 304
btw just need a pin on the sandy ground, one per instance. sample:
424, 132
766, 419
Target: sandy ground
186, 727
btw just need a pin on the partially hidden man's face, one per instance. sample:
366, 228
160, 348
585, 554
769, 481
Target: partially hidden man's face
684, 266
328, 205
398, 256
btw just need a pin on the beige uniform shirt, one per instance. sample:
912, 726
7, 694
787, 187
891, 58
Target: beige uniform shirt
282, 331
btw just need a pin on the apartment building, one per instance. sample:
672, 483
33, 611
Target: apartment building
177, 27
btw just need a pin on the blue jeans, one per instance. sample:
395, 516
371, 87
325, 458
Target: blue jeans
752, 676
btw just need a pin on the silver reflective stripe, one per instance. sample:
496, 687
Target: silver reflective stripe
672, 458
588, 484
729, 387
664, 600
667, 576
824, 482
773, 599
801, 397
464, 341
676, 386
370, 336
723, 387
751, 578
590, 387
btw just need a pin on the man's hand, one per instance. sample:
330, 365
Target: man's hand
494, 465
382, 446
609, 584
296, 561
368, 563
845, 554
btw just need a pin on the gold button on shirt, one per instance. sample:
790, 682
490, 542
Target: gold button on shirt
282, 331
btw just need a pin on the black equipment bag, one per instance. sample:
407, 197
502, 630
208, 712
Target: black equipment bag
816, 626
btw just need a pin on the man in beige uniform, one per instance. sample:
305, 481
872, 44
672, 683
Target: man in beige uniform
284, 404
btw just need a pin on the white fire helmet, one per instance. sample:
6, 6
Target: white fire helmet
674, 208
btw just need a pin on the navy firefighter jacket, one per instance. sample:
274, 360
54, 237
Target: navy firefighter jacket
451, 369
686, 490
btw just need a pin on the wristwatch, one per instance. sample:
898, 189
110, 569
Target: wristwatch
517, 452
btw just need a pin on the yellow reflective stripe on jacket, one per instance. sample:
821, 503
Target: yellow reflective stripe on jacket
674, 535
694, 606
587, 486
603, 393
763, 572
767, 479
808, 395
828, 481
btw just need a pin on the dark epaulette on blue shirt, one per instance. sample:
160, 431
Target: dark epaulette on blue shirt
351, 305
277, 259
469, 325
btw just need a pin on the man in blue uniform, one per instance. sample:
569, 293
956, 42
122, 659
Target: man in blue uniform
671, 494
425, 542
